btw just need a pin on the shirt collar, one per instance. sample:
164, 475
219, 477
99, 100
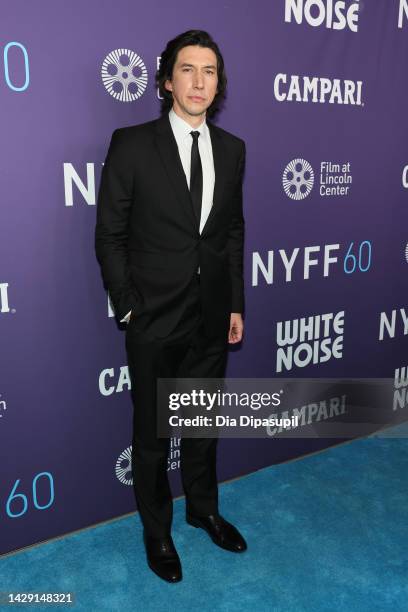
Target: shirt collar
182, 129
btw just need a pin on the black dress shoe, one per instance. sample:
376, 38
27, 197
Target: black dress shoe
162, 558
220, 531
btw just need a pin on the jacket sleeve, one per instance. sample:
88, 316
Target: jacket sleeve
236, 241
112, 222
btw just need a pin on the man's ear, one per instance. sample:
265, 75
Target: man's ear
168, 85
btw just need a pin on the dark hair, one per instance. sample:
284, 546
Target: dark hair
168, 59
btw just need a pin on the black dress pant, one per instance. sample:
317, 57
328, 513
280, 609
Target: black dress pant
186, 352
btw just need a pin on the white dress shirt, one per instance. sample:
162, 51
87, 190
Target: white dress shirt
181, 130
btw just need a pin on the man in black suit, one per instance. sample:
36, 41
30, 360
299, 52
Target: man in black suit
169, 239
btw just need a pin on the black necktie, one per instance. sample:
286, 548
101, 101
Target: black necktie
196, 177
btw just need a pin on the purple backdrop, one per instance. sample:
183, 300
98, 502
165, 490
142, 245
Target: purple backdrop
304, 84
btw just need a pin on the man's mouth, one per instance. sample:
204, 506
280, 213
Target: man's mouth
196, 98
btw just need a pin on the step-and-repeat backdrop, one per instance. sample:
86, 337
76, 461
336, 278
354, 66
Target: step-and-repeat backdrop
318, 90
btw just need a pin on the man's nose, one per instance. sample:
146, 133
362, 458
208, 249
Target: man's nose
198, 80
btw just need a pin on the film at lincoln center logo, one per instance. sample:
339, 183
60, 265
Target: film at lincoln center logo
123, 467
298, 179
124, 75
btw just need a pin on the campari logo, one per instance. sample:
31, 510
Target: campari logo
317, 90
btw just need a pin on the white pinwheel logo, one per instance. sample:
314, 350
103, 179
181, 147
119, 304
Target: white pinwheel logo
298, 179
124, 75
123, 468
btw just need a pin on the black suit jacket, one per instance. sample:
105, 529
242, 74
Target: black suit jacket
147, 239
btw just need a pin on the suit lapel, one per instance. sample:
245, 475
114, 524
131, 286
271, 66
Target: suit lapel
168, 150
219, 153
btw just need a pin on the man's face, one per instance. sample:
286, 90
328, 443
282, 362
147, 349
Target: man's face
194, 81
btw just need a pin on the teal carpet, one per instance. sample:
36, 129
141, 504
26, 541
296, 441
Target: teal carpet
325, 533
